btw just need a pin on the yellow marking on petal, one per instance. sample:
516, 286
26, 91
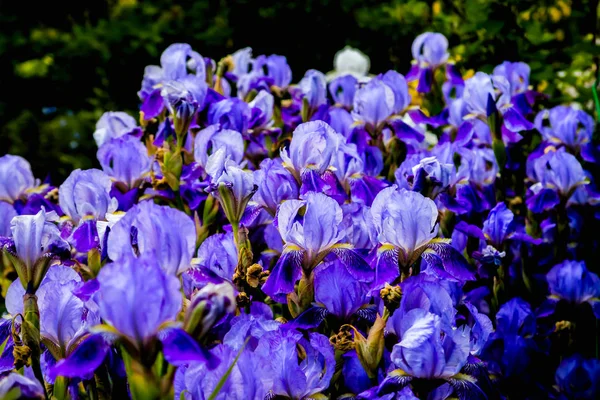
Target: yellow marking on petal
385, 247
291, 247
549, 149
342, 246
469, 74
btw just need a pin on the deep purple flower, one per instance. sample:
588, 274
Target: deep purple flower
313, 89
248, 378
137, 296
338, 291
125, 159
293, 377
275, 184
114, 124
578, 378
314, 146
342, 90
558, 174
15, 178
517, 75
64, 317
161, 232
211, 139
7, 213
565, 126
429, 51
36, 239
17, 384
423, 352
308, 239
510, 347
218, 254
179, 63
572, 282
86, 194
231, 114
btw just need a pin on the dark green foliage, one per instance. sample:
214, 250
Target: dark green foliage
62, 65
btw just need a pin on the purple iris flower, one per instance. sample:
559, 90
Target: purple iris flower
242, 62
312, 89
342, 90
126, 160
429, 51
85, 194
338, 291
114, 124
578, 378
275, 185
358, 226
428, 293
248, 378
432, 177
179, 63
26, 388
231, 114
484, 94
558, 175
309, 238
65, 319
16, 178
219, 255
352, 171
429, 350
509, 348
143, 231
36, 241
230, 184
211, 139
310, 155
262, 111
565, 126
572, 282
7, 213
182, 99
251, 326
85, 198
499, 227
406, 225
423, 352
136, 296
379, 103
517, 75
279, 70
293, 377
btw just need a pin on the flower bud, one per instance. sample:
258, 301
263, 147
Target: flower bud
207, 307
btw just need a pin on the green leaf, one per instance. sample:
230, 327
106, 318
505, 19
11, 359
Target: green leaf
224, 378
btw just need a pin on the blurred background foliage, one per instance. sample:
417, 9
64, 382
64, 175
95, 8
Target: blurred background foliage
63, 64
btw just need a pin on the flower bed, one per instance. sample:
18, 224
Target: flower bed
349, 236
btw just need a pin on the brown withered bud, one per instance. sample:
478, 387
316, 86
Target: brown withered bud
242, 300
391, 296
343, 340
255, 275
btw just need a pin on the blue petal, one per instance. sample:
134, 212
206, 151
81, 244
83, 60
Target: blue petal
180, 349
84, 360
284, 275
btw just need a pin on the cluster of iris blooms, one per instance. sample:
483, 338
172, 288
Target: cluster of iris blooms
426, 236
